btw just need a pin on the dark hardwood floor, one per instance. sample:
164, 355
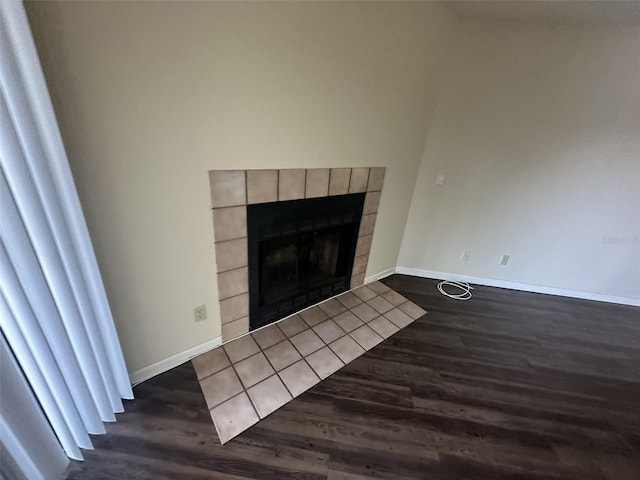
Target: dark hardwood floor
508, 385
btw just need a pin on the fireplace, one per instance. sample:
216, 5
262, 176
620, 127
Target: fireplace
300, 253
317, 252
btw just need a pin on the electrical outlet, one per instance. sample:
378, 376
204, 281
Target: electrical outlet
200, 313
504, 259
440, 179
465, 256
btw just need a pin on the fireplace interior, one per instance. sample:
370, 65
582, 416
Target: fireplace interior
300, 252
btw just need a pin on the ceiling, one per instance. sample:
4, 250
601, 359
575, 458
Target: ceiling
569, 12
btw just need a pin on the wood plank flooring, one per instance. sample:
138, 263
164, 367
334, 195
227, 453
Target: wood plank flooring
509, 385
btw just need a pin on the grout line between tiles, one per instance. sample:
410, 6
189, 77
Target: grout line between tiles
304, 184
304, 357
273, 366
243, 390
285, 386
212, 374
230, 239
329, 182
246, 188
234, 296
338, 356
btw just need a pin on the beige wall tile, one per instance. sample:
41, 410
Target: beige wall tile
364, 293
349, 300
229, 223
269, 395
241, 348
282, 354
339, 181
234, 308
376, 179
366, 225
398, 317
228, 188
371, 202
307, 342
411, 309
328, 331
393, 297
364, 312
317, 183
357, 280
380, 305
233, 282
262, 186
359, 179
233, 416
346, 348
292, 325
348, 321
378, 287
313, 316
366, 337
253, 369
360, 264
235, 329
291, 184
383, 327
220, 387
298, 377
332, 307
231, 254
324, 362
210, 362
268, 336
364, 245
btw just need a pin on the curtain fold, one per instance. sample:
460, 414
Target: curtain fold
26, 451
55, 313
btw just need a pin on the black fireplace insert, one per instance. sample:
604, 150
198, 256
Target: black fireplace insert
300, 253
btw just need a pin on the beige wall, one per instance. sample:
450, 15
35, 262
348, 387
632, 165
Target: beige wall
537, 130
150, 96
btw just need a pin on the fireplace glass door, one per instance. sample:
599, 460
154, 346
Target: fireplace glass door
300, 252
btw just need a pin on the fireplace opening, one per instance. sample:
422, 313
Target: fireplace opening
300, 253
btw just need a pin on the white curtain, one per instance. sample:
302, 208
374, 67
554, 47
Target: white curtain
28, 448
53, 310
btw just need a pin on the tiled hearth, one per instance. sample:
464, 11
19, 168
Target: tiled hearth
250, 377
233, 190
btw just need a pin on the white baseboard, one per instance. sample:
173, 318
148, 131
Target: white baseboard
379, 275
527, 287
173, 361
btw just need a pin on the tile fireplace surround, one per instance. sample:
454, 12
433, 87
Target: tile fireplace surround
249, 377
233, 190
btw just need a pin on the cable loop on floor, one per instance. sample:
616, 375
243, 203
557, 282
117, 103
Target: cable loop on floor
465, 293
